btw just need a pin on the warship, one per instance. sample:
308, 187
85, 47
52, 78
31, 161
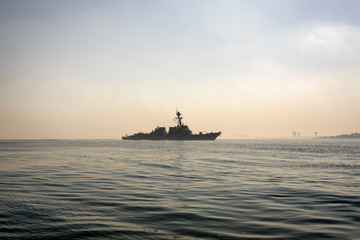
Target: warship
179, 132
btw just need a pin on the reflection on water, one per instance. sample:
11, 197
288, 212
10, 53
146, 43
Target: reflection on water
227, 189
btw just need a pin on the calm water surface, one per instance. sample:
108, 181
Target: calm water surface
225, 189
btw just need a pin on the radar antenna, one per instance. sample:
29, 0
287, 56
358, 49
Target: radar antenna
178, 118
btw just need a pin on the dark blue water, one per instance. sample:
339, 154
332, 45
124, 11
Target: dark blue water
225, 189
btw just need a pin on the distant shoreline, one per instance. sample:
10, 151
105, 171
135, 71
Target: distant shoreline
345, 136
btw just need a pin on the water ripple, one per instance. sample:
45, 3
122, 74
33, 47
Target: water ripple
244, 189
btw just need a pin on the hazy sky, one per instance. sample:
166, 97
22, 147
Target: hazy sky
103, 69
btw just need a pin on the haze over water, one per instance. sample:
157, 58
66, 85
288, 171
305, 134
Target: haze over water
91, 69
224, 189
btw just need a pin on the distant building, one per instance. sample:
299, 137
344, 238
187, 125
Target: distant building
298, 134
294, 134
315, 134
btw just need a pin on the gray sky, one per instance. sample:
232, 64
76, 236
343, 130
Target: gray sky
103, 69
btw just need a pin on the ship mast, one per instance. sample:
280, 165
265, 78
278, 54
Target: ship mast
179, 117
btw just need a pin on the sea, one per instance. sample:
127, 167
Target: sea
223, 189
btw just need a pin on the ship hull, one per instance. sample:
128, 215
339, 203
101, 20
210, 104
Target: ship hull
143, 138
195, 137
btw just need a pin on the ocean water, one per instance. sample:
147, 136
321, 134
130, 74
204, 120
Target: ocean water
223, 189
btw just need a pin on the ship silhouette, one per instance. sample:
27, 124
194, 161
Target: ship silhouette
178, 132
